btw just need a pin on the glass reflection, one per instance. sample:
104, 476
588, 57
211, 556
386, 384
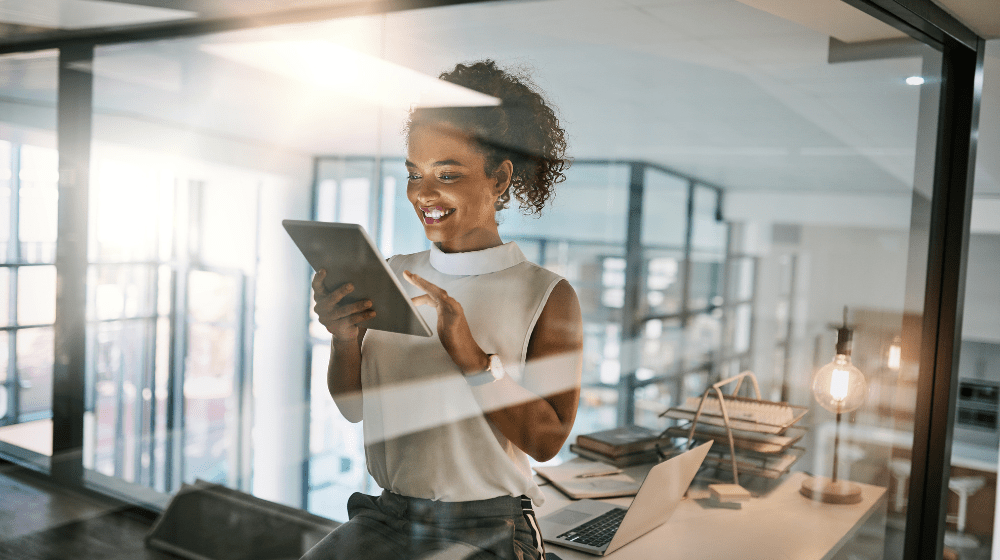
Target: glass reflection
209, 405
5, 389
6, 176
38, 200
121, 405
754, 290
5, 318
126, 211
36, 295
34, 372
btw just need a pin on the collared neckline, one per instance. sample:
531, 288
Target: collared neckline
471, 263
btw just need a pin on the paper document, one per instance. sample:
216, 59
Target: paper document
580, 478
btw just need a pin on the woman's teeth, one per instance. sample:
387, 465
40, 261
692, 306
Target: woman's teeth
434, 215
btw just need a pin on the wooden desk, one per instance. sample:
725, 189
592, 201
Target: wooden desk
782, 525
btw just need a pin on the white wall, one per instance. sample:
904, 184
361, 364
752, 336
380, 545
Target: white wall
851, 250
882, 211
981, 320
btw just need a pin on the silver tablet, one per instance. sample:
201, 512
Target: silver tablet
348, 255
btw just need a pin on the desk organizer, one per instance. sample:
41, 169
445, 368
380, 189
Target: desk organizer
760, 434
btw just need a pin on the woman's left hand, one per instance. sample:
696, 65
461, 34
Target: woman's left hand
452, 326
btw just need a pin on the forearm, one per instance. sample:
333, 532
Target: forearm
536, 416
533, 426
343, 378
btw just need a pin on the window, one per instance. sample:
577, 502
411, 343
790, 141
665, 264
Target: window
29, 207
170, 307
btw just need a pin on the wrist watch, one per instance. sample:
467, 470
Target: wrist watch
493, 373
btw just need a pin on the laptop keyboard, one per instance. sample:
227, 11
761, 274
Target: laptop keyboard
598, 531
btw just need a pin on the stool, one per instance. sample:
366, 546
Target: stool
900, 469
964, 486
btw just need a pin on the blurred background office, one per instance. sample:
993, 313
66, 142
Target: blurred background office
743, 171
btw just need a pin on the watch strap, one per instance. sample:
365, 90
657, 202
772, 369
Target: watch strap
494, 372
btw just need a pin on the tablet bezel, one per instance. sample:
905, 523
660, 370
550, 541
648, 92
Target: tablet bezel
392, 315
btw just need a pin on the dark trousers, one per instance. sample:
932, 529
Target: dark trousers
396, 527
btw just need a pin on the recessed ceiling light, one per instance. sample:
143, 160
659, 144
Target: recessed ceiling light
915, 80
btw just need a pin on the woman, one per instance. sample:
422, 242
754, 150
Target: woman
450, 420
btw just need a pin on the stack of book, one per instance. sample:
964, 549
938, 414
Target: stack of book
621, 447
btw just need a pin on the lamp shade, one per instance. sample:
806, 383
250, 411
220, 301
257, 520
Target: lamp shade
839, 386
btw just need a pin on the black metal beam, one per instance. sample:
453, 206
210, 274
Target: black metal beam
74, 111
629, 351
921, 19
944, 298
934, 15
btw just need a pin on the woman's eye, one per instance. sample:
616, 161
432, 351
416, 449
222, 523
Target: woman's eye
412, 176
448, 176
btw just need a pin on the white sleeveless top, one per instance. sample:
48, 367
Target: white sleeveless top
425, 434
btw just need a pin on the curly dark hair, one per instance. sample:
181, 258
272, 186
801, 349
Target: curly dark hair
524, 129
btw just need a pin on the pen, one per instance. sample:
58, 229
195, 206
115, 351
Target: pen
602, 473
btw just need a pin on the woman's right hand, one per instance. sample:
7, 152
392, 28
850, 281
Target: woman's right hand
340, 320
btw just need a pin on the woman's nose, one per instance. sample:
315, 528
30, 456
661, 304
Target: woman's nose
426, 192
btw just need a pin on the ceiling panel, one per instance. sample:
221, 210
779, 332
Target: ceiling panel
715, 88
81, 14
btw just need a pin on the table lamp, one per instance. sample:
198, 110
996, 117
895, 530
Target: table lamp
838, 387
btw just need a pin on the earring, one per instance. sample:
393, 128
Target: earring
498, 205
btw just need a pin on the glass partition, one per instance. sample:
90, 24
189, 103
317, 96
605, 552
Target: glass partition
971, 527
29, 199
174, 230
792, 195
763, 175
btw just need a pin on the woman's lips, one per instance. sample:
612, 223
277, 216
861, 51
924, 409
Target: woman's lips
435, 214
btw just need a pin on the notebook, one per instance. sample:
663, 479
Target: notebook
581, 478
600, 528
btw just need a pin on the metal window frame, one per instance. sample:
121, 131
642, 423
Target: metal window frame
944, 298
948, 240
73, 129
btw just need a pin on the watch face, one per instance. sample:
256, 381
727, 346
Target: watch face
496, 367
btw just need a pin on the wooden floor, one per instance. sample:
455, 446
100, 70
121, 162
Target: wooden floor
42, 521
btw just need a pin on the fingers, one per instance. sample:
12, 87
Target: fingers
341, 291
424, 299
436, 293
340, 320
330, 311
355, 318
347, 328
320, 291
317, 283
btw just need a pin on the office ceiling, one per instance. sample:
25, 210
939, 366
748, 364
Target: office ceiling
740, 93
21, 17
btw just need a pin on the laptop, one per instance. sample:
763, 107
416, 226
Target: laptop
600, 528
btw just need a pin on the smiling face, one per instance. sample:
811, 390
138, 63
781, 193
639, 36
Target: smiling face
450, 190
